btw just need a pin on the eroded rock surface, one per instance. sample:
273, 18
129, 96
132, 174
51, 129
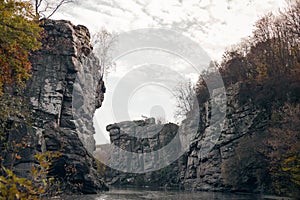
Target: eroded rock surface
138, 148
206, 171
212, 149
65, 89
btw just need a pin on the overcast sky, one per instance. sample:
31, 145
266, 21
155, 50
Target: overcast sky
212, 24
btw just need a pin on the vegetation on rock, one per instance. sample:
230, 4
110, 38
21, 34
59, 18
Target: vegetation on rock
267, 67
19, 36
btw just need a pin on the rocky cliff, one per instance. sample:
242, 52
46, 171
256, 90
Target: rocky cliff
209, 171
65, 89
145, 138
66, 84
198, 169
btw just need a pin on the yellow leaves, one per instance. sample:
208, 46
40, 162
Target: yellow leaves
51, 179
40, 173
13, 187
45, 158
3, 180
45, 182
33, 171
289, 160
18, 36
291, 165
283, 147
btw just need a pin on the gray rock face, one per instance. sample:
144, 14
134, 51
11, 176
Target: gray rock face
202, 167
65, 89
141, 137
205, 171
66, 86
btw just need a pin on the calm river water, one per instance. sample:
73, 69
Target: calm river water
144, 194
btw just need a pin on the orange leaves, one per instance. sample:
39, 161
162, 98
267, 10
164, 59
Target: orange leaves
18, 157
19, 34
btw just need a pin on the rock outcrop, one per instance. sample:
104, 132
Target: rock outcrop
66, 85
65, 89
202, 166
142, 137
208, 171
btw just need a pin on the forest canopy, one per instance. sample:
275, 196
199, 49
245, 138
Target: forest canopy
270, 57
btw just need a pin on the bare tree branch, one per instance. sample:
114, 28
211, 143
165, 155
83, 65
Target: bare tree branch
103, 42
58, 6
44, 6
185, 98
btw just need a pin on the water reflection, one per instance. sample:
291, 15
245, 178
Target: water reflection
139, 194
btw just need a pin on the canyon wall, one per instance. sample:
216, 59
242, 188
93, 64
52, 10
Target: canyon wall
210, 171
65, 89
203, 166
145, 138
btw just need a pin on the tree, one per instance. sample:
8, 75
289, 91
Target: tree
283, 149
103, 42
50, 7
276, 42
246, 169
19, 36
235, 67
185, 99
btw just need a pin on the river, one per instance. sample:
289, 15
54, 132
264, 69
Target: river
146, 194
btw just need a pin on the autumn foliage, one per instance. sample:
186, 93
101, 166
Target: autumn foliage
272, 51
267, 67
19, 35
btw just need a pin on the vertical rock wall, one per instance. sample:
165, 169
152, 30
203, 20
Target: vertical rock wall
206, 171
142, 137
66, 85
64, 91
203, 167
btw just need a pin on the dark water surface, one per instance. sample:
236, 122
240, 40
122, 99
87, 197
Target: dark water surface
144, 194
